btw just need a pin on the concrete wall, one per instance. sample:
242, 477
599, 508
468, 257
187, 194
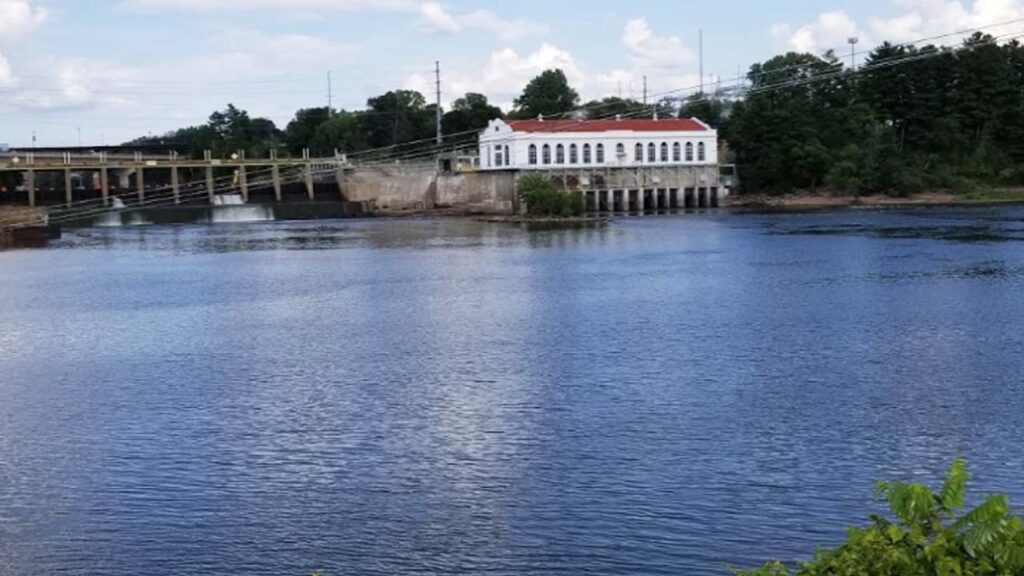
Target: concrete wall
478, 192
392, 189
408, 188
412, 188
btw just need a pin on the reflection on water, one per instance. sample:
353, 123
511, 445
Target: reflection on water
662, 395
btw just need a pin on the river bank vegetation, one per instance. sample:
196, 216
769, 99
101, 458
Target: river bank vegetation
542, 198
927, 535
909, 119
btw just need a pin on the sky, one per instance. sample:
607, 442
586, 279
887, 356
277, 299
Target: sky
108, 71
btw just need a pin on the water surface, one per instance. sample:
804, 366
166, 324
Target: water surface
666, 395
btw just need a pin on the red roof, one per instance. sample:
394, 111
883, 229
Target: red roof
630, 125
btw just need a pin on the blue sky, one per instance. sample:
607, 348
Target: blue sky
122, 68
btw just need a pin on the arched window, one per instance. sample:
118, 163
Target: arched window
574, 154
547, 154
689, 151
586, 153
498, 157
664, 152
652, 152
639, 154
701, 153
508, 156
677, 152
532, 153
620, 151
560, 154
600, 154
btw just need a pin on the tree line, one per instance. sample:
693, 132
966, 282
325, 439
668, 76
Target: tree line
910, 118
395, 118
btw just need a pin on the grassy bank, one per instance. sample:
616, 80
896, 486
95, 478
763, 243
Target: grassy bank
822, 201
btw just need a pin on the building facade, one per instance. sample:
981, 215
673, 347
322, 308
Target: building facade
619, 143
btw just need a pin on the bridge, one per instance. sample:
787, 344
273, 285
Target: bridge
134, 176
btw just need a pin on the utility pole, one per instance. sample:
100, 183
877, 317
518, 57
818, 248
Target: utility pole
645, 90
700, 50
330, 95
437, 72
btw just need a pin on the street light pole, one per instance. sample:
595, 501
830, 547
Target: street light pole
853, 40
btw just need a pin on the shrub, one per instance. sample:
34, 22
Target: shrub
542, 198
925, 538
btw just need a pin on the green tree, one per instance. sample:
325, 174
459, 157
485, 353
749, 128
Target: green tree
614, 106
707, 108
397, 117
925, 537
548, 94
345, 131
542, 198
299, 132
471, 112
236, 130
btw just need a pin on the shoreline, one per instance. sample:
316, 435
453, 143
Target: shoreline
819, 201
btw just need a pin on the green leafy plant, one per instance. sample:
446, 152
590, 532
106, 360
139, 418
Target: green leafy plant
925, 537
542, 198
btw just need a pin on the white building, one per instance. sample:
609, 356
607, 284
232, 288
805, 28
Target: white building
619, 143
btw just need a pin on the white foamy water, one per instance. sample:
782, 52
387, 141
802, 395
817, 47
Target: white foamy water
228, 200
228, 214
114, 219
116, 203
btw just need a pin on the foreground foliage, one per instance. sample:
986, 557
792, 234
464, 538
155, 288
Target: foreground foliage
542, 198
925, 538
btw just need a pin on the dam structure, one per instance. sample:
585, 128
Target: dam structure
616, 166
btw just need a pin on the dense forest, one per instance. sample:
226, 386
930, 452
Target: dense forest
909, 118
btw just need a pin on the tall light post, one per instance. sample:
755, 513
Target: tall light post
853, 40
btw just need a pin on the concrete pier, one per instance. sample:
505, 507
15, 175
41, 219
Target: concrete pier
30, 186
175, 185
275, 172
140, 182
243, 183
68, 189
310, 188
211, 192
105, 186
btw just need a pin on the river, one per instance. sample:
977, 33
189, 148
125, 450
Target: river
663, 395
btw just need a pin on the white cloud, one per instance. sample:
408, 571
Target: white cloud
77, 84
18, 18
654, 53
241, 52
504, 75
434, 17
258, 5
665, 60
914, 20
830, 31
934, 17
7, 78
